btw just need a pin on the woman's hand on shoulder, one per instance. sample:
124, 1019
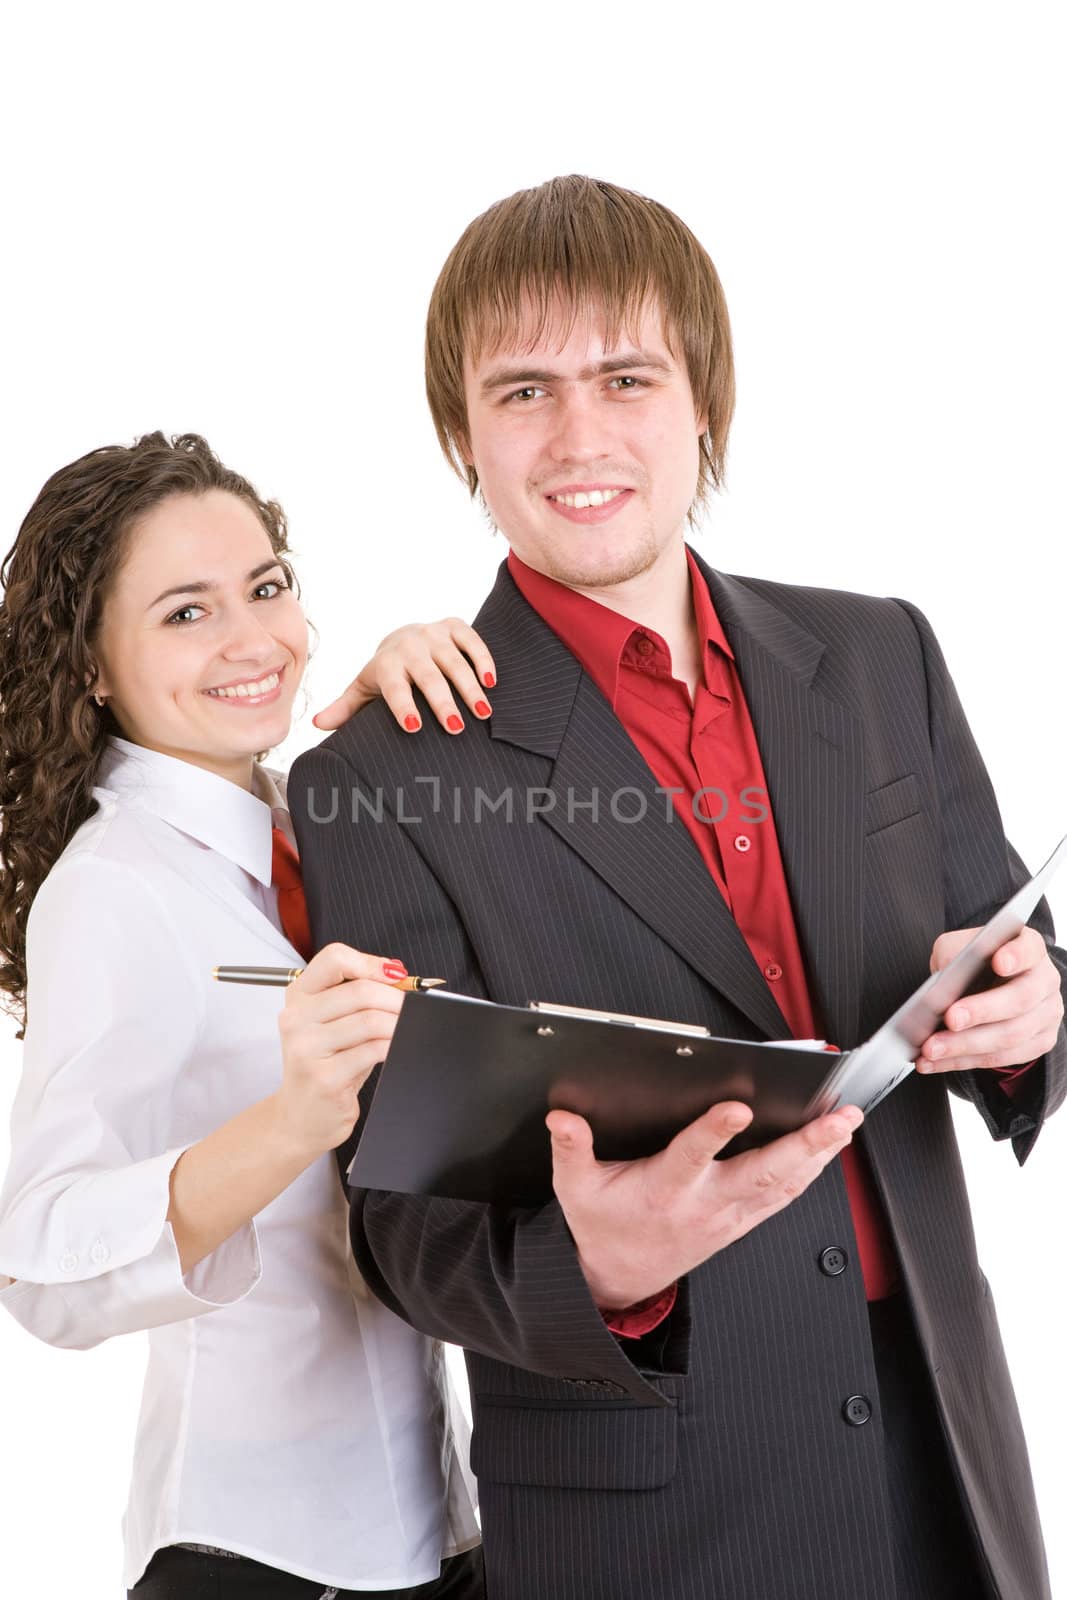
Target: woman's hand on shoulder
435, 657
336, 1025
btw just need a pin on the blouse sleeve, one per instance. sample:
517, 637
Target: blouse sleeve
114, 1013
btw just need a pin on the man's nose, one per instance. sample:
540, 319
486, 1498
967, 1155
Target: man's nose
580, 432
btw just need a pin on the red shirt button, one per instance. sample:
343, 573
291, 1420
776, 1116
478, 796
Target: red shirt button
742, 843
772, 971
645, 647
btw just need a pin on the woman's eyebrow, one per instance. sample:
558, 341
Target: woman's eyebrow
201, 586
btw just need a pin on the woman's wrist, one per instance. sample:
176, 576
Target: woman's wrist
290, 1143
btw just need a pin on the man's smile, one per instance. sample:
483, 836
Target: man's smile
589, 503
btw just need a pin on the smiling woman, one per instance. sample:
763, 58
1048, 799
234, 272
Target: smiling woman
172, 1138
225, 635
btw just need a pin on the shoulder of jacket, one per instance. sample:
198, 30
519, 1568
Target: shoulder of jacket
808, 602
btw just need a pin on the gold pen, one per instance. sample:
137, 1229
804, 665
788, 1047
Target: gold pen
279, 977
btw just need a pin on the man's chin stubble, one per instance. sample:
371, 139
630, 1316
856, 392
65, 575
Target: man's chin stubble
607, 573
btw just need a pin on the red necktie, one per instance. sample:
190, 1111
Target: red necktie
292, 907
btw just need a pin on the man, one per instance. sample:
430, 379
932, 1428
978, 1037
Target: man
775, 1376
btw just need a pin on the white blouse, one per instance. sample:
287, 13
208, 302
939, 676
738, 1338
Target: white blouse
287, 1415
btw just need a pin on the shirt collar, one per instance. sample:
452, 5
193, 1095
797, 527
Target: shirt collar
210, 809
596, 634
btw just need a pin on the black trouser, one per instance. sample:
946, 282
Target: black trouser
936, 1555
175, 1573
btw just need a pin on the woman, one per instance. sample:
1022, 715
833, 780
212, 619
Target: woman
171, 1167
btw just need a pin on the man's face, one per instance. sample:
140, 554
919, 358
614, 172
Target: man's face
587, 454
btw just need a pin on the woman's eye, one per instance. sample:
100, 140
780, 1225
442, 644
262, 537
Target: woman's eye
182, 616
273, 586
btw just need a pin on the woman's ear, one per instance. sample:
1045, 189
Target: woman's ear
101, 689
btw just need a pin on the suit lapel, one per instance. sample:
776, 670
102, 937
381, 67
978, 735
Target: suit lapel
651, 861
812, 751
547, 705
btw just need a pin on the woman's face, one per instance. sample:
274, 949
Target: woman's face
202, 644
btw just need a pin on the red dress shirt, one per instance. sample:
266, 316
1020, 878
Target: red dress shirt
709, 744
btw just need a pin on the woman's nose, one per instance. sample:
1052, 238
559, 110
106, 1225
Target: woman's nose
247, 639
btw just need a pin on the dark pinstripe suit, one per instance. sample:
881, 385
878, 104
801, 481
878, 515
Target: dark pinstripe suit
717, 1462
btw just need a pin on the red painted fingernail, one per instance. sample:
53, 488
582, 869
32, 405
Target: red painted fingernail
483, 708
412, 723
394, 970
454, 723
489, 679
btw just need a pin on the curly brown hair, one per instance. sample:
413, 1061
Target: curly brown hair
56, 578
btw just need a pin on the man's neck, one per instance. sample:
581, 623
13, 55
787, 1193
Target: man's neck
661, 600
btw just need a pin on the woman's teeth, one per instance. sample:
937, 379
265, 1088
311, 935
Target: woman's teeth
247, 691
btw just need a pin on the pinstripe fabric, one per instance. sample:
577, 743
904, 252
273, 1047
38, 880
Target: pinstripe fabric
716, 1461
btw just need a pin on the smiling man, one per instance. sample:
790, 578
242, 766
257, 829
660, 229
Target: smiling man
774, 1376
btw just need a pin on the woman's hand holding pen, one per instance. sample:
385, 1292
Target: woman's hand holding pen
336, 1025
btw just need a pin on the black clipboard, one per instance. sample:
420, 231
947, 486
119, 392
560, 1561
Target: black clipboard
459, 1110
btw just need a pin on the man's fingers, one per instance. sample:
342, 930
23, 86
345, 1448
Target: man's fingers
1024, 993
1040, 1022
778, 1171
1020, 954
692, 1151
948, 945
572, 1148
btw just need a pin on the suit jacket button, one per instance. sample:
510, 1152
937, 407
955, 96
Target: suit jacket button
856, 1410
833, 1261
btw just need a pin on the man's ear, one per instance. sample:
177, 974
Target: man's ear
702, 424
463, 450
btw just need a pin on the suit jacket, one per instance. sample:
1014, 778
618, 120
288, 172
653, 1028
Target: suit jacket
711, 1458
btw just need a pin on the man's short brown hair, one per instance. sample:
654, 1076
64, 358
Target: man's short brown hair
595, 247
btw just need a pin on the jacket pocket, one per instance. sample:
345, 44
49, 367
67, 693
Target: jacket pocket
595, 1444
893, 802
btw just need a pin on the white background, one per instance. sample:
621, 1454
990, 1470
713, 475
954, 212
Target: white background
228, 219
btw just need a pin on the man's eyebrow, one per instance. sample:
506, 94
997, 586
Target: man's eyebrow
626, 361
201, 586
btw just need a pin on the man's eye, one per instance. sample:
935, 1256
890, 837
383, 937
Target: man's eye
626, 382
182, 616
527, 392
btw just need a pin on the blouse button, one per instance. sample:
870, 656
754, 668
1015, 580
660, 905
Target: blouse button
99, 1253
772, 971
68, 1262
742, 843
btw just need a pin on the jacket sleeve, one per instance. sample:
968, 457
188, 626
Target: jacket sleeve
976, 853
503, 1282
114, 1013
